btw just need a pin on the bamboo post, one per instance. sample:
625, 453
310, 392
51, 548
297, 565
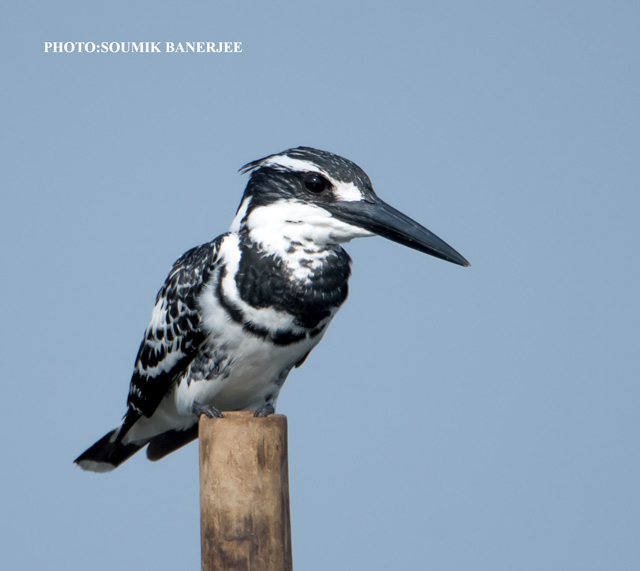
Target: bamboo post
244, 493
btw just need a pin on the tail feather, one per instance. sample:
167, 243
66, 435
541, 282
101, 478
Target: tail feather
170, 441
106, 454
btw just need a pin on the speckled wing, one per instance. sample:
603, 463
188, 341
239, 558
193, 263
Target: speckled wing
174, 335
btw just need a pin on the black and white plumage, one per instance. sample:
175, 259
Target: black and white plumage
235, 315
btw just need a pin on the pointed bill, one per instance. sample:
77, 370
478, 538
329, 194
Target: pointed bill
377, 216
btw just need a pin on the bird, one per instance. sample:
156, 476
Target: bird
237, 314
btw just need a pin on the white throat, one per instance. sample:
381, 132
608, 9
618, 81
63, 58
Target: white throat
275, 226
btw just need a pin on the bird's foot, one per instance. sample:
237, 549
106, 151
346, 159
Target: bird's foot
264, 410
209, 411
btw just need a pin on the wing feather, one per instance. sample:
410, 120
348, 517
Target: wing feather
174, 335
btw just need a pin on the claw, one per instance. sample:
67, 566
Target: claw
209, 411
264, 410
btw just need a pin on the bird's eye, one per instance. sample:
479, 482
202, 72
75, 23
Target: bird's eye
313, 182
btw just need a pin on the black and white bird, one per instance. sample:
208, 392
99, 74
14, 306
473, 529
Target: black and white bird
235, 315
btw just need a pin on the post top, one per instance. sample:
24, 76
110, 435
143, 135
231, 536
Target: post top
242, 417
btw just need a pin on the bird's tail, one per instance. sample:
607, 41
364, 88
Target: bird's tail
108, 453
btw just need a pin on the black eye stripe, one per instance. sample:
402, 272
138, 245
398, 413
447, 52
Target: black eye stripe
315, 183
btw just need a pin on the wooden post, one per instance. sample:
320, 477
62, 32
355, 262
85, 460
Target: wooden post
244, 493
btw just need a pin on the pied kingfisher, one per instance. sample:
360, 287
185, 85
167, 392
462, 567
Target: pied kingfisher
235, 315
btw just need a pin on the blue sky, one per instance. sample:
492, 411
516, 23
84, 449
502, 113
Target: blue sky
482, 418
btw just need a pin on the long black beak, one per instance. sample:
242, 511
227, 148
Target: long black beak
378, 217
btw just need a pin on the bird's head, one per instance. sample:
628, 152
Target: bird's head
315, 196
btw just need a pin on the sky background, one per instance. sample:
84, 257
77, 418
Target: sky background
454, 419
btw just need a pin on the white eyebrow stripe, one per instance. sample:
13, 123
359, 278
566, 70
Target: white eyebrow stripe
289, 163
